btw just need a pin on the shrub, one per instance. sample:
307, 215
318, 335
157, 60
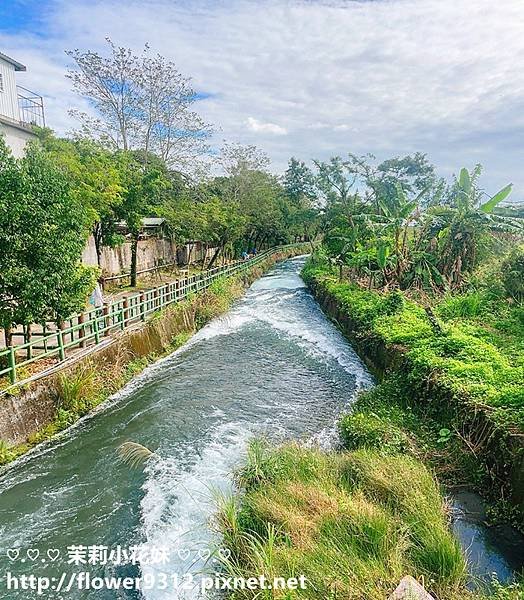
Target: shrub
368, 430
6, 454
76, 391
353, 524
513, 274
462, 306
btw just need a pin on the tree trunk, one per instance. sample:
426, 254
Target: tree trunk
8, 333
204, 257
97, 235
134, 257
215, 256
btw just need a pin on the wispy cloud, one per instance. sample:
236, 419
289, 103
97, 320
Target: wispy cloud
388, 77
259, 127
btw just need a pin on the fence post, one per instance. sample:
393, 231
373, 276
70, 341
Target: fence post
44, 331
95, 327
106, 319
28, 341
126, 311
142, 306
60, 339
12, 364
81, 331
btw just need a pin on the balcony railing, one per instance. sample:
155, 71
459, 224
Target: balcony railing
31, 107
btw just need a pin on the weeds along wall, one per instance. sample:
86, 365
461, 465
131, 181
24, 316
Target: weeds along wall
55, 402
496, 442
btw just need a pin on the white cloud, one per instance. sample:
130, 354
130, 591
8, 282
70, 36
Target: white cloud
385, 76
259, 127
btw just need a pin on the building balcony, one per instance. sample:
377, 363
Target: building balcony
31, 107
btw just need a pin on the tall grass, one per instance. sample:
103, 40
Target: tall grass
354, 524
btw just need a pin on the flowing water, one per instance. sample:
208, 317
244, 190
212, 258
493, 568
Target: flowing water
273, 366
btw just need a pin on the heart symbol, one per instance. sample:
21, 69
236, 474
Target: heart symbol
204, 554
53, 554
224, 553
13, 553
183, 553
33, 553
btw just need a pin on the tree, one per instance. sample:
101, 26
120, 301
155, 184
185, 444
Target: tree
299, 186
95, 180
459, 225
299, 182
147, 184
43, 229
141, 103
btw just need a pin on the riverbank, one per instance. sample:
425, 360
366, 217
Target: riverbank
45, 408
446, 383
355, 522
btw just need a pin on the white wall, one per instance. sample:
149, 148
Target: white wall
9, 96
15, 137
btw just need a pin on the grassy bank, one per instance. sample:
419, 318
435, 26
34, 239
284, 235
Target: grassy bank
352, 523
78, 390
355, 522
459, 384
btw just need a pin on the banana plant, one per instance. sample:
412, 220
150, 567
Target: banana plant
459, 226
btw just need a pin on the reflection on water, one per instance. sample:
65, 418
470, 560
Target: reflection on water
490, 550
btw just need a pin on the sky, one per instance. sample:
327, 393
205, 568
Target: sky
311, 78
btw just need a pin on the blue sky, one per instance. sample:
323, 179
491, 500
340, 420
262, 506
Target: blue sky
312, 78
22, 15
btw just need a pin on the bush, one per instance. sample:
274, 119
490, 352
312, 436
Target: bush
353, 524
513, 274
462, 306
361, 430
6, 454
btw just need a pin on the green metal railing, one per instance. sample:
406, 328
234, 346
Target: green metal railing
90, 327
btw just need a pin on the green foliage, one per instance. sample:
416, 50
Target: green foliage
374, 516
368, 430
43, 228
76, 391
463, 306
6, 453
480, 361
397, 225
513, 274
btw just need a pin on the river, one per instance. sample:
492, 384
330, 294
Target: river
274, 365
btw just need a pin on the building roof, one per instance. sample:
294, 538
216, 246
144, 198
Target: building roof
152, 221
147, 222
17, 65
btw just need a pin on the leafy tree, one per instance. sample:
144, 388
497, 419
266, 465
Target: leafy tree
43, 229
142, 103
147, 184
458, 227
96, 182
299, 183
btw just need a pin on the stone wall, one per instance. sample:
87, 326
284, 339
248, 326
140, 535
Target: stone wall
152, 251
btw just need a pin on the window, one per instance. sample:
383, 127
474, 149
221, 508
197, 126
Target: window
1, 82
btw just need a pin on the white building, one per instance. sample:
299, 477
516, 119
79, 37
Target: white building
20, 109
